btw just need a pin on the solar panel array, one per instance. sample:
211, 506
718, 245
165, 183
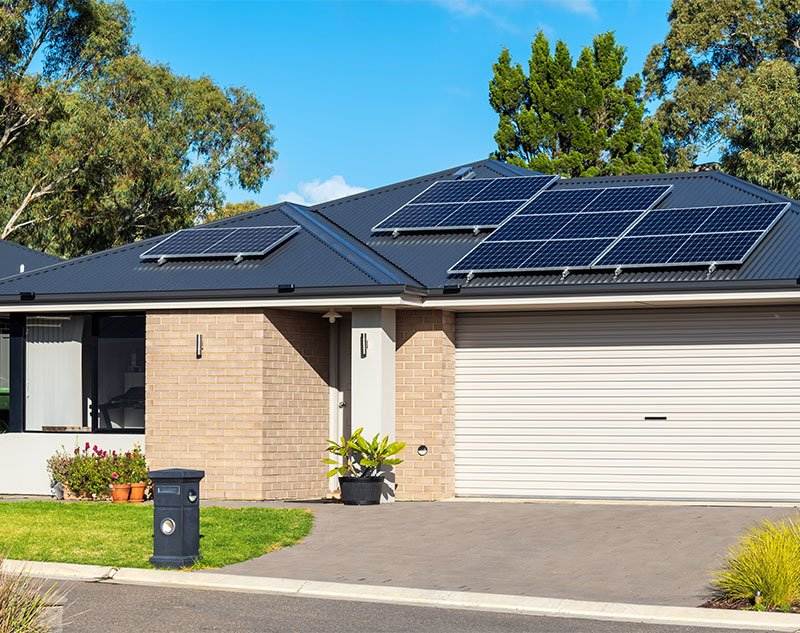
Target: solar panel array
566, 228
206, 243
464, 205
694, 236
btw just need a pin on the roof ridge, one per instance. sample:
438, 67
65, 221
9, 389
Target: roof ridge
320, 219
398, 185
367, 246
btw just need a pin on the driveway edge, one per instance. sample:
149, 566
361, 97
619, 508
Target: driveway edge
500, 603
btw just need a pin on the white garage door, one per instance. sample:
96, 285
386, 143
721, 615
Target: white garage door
699, 404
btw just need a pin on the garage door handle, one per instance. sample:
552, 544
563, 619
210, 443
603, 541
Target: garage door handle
661, 418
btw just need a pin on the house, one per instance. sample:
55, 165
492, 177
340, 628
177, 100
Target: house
630, 337
14, 259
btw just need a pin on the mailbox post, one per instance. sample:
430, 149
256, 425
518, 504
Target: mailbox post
176, 516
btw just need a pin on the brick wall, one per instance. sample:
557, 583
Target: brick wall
252, 412
426, 403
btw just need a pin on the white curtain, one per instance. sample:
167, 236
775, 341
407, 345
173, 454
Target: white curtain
54, 372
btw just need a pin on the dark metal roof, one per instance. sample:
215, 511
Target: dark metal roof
428, 256
13, 256
335, 253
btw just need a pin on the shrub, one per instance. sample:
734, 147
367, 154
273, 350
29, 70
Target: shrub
764, 568
23, 604
136, 466
90, 471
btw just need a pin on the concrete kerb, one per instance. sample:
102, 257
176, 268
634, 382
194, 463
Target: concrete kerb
522, 605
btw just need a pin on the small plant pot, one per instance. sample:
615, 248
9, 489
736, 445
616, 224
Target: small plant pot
120, 493
137, 492
361, 491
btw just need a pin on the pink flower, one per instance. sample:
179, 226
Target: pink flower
86, 447
115, 475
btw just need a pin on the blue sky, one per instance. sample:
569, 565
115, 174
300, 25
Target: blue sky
367, 93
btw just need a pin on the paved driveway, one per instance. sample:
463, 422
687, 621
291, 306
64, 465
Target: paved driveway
617, 553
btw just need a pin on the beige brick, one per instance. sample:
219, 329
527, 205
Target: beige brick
425, 377
252, 413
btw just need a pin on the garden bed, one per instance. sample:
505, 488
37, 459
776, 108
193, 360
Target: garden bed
100, 533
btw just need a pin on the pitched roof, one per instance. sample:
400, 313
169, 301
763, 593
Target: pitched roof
336, 252
15, 258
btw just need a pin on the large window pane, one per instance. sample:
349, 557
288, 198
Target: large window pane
57, 378
120, 372
5, 373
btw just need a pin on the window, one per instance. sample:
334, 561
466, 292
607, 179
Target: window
120, 372
84, 373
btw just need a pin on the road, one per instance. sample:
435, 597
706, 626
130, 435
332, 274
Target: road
105, 608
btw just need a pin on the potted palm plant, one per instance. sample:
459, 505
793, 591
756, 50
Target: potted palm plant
361, 465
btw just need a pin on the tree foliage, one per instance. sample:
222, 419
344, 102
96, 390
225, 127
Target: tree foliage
574, 119
708, 68
231, 209
99, 147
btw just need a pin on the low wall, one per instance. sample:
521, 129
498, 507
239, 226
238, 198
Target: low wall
23, 456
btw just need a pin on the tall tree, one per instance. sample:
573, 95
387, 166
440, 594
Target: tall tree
765, 142
574, 119
701, 70
98, 147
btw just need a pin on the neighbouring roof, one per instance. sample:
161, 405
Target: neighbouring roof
336, 252
15, 258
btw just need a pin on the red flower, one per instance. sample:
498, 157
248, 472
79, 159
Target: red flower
115, 475
86, 447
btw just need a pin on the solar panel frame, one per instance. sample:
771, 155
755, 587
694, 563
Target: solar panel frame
156, 252
386, 226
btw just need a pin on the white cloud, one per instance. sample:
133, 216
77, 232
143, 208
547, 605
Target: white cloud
486, 8
317, 191
579, 7
473, 9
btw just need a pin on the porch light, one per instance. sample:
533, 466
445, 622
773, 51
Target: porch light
422, 450
331, 315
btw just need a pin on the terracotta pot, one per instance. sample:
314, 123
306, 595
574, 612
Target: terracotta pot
120, 493
137, 492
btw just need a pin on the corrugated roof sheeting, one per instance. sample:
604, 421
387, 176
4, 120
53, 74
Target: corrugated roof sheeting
336, 249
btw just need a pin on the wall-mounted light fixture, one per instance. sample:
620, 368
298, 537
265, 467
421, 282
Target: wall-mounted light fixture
331, 315
364, 345
422, 450
198, 346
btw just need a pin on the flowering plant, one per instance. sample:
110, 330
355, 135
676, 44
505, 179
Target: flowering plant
89, 471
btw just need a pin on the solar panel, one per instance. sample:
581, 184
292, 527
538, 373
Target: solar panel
203, 243
464, 205
571, 228
694, 236
561, 201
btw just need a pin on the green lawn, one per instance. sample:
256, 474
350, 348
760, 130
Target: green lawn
120, 535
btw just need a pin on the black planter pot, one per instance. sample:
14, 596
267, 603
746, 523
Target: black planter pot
361, 491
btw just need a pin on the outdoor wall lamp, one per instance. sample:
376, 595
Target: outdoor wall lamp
198, 346
422, 450
331, 315
364, 345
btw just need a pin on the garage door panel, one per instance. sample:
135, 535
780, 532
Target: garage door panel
554, 404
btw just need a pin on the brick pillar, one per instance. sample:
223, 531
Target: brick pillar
426, 403
252, 412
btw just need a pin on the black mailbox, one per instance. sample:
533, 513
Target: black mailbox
176, 516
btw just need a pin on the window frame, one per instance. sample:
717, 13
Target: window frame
18, 383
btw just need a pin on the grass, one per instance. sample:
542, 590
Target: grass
763, 571
120, 535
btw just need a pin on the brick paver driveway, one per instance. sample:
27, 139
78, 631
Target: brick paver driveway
618, 553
